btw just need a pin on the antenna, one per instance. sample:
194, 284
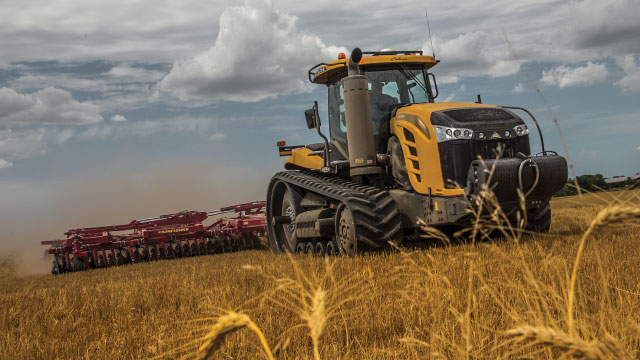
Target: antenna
426, 14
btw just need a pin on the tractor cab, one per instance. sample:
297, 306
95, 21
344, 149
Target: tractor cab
395, 79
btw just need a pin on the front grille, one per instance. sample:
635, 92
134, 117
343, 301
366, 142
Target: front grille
456, 156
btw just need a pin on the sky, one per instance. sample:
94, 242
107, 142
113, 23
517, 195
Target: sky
125, 109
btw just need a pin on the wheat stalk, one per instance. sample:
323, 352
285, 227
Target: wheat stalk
614, 214
225, 325
570, 345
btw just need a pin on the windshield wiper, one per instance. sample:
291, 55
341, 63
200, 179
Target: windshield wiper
406, 72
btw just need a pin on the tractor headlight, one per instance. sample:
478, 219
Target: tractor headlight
444, 133
521, 130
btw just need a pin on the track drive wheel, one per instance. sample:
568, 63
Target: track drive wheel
283, 205
346, 231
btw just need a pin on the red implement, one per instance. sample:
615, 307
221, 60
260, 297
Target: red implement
164, 237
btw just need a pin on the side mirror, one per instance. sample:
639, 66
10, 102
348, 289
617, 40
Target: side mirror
310, 116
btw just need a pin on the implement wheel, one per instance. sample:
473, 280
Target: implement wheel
346, 232
210, 248
217, 245
101, 263
110, 260
77, 264
176, 250
185, 250
233, 243
55, 267
194, 249
242, 242
153, 254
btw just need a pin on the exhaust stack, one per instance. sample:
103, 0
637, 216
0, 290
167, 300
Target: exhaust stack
362, 152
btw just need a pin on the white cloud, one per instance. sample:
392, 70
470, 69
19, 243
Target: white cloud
46, 106
259, 53
630, 83
145, 128
474, 53
118, 117
565, 76
519, 89
638, 148
611, 26
218, 137
5, 164
22, 144
135, 74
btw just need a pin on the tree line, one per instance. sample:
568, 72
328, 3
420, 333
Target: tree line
593, 183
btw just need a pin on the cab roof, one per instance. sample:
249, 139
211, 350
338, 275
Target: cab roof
325, 73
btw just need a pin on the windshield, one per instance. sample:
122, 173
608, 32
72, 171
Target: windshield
387, 88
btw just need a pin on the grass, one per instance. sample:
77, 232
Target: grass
572, 293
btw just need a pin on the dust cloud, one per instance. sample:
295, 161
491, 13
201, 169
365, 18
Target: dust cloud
42, 210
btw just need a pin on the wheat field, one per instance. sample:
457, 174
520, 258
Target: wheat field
572, 293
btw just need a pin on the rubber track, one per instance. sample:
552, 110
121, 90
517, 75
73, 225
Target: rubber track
376, 214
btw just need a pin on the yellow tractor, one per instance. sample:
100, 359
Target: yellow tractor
395, 159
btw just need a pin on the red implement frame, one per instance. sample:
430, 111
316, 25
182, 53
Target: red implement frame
163, 237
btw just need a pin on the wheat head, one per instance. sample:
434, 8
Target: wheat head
225, 325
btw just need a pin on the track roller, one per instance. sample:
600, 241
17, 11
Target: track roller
320, 248
310, 248
332, 248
